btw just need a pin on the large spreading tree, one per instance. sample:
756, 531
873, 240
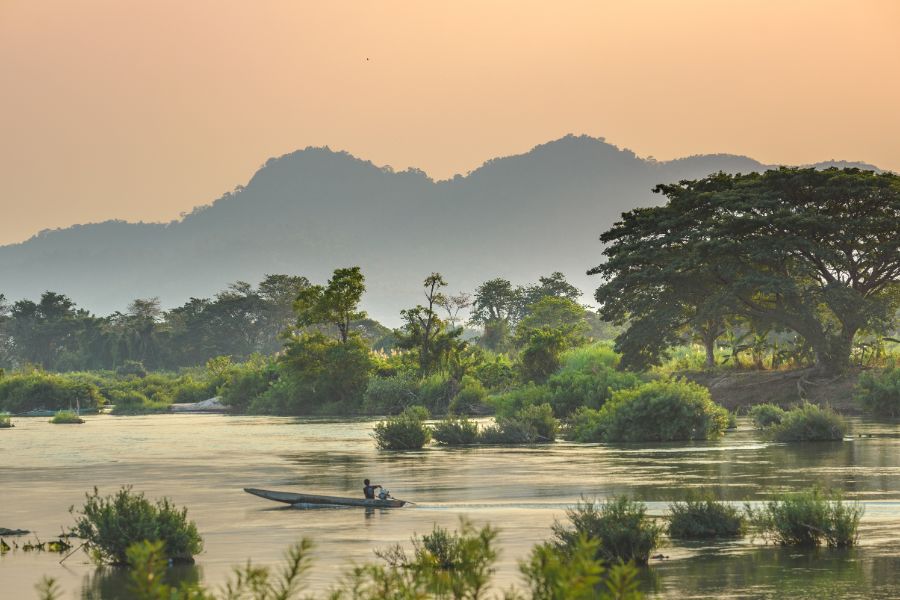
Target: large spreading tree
812, 251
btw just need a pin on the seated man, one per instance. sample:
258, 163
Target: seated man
369, 490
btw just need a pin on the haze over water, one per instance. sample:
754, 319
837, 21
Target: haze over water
202, 462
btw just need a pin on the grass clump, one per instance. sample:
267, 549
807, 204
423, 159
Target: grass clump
109, 525
456, 432
66, 417
664, 410
705, 518
879, 394
619, 525
808, 423
764, 415
132, 402
808, 519
406, 431
5, 421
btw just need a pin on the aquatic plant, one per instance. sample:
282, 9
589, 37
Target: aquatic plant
879, 393
454, 431
133, 402
809, 519
704, 518
664, 410
406, 431
808, 423
5, 421
66, 417
110, 524
620, 525
764, 415
529, 425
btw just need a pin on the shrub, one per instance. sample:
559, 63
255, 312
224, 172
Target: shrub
22, 392
66, 417
587, 378
531, 424
390, 395
5, 421
585, 426
880, 394
704, 518
110, 524
808, 519
620, 525
245, 383
135, 403
764, 415
456, 432
406, 431
808, 423
436, 392
664, 410
511, 402
470, 397
497, 374
133, 368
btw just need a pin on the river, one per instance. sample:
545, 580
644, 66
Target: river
203, 461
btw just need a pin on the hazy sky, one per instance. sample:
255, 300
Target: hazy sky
143, 109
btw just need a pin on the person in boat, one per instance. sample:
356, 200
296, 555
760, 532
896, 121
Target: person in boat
369, 490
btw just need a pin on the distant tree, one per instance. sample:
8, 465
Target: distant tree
453, 304
540, 352
552, 286
424, 331
495, 307
336, 303
812, 251
558, 313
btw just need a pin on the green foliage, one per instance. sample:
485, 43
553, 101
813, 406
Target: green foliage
30, 390
585, 426
132, 402
541, 349
808, 519
752, 246
469, 398
621, 527
531, 424
134, 368
454, 431
334, 304
575, 573
514, 400
66, 417
436, 392
664, 410
5, 421
765, 415
588, 377
110, 524
808, 423
390, 395
406, 431
705, 518
879, 393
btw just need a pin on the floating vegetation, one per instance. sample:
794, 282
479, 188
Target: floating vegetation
57, 546
66, 417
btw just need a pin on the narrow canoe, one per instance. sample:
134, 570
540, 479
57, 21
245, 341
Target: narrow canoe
291, 498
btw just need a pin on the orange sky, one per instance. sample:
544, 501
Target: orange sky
143, 109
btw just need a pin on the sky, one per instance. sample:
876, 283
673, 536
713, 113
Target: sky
142, 110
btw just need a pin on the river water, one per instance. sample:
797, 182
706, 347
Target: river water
203, 461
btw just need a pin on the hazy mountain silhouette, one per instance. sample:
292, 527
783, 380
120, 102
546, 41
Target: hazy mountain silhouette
315, 209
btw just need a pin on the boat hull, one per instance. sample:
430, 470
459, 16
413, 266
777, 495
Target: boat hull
311, 499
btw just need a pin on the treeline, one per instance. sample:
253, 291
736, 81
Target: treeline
54, 334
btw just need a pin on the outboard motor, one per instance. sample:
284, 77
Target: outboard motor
383, 494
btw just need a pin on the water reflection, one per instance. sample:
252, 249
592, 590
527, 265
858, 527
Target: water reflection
112, 583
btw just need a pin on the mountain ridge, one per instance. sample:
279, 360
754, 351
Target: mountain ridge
312, 210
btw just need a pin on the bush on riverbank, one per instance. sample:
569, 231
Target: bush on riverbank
66, 417
620, 525
879, 393
587, 377
808, 519
390, 395
704, 518
136, 403
110, 524
529, 425
5, 421
25, 391
454, 431
406, 431
808, 423
664, 410
765, 415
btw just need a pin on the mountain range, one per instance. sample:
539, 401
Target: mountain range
313, 210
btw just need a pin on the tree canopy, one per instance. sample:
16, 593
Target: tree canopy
811, 251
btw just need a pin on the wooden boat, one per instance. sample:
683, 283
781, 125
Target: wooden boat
295, 499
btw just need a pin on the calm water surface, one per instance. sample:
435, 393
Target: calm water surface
203, 461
